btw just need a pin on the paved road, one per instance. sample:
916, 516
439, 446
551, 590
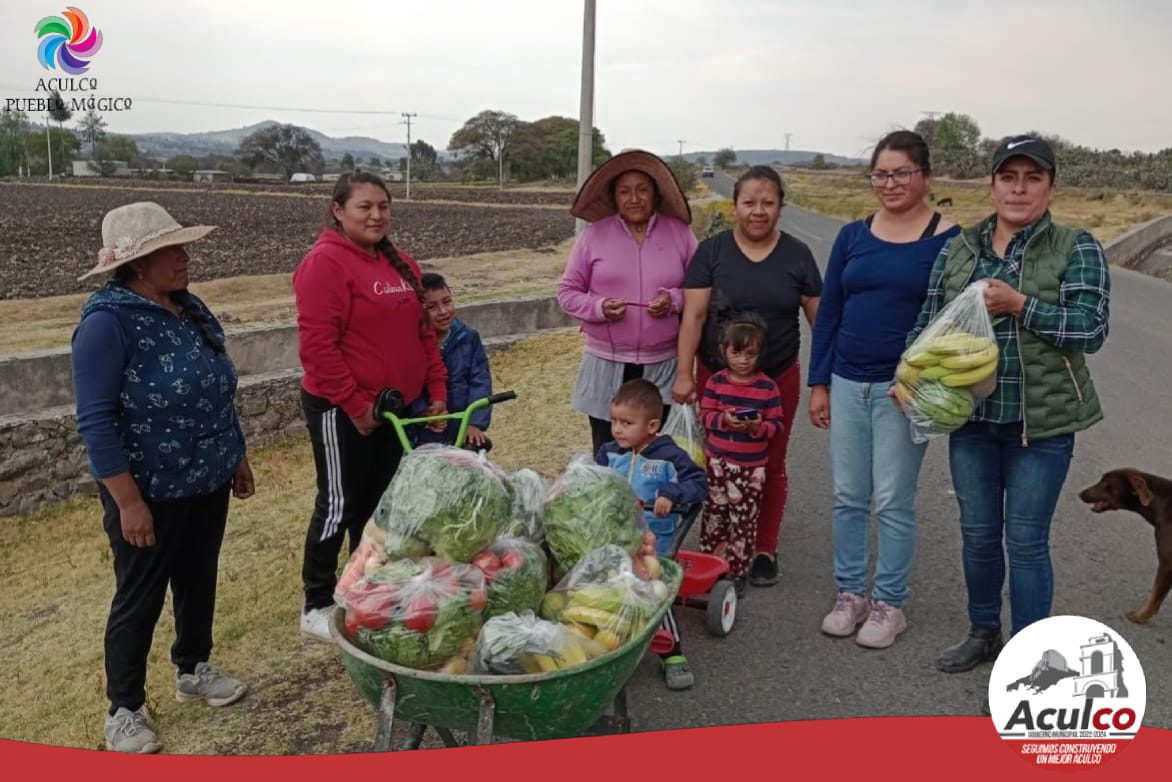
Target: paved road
777, 666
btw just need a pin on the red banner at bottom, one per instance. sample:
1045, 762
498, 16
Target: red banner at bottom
955, 748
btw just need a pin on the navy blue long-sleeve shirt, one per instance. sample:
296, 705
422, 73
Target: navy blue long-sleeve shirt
871, 295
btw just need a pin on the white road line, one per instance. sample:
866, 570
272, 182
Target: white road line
801, 231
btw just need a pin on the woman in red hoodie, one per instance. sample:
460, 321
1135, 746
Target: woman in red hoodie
361, 328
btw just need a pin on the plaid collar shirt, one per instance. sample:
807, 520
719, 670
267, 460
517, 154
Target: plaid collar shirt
1078, 322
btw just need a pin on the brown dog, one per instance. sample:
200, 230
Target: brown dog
1151, 497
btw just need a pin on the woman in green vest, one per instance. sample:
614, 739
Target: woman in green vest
1048, 291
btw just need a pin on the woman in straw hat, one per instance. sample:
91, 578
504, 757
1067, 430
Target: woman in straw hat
752, 268
624, 280
155, 395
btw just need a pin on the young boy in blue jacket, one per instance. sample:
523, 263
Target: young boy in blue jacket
663, 476
469, 376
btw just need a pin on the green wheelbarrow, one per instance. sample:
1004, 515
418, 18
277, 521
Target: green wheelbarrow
528, 707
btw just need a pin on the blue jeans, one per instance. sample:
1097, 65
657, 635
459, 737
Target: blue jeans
1005, 488
873, 459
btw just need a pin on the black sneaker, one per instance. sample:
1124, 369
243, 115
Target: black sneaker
763, 571
739, 585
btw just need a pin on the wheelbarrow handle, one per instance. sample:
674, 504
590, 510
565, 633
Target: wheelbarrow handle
503, 396
389, 405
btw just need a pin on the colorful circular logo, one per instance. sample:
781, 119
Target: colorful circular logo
1067, 692
67, 43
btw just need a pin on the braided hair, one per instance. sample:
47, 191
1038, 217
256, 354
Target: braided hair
342, 192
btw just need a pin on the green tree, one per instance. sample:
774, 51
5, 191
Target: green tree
376, 161
548, 149
485, 136
685, 172
64, 144
183, 165
13, 135
113, 149
347, 162
93, 129
819, 162
957, 132
724, 158
288, 148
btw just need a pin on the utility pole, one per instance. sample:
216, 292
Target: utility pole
586, 102
788, 136
408, 117
680, 141
49, 146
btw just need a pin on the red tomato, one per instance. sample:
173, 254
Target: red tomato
477, 600
351, 624
488, 564
368, 614
512, 559
420, 614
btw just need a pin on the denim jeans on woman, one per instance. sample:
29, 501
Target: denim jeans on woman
873, 459
1007, 490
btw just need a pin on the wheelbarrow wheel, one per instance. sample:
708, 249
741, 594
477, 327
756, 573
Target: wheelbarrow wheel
722, 608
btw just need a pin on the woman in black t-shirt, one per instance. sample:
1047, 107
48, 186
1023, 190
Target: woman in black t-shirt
752, 268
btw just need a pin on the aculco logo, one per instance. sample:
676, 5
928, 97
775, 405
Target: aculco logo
1085, 718
1067, 692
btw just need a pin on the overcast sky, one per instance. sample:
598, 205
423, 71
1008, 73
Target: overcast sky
742, 73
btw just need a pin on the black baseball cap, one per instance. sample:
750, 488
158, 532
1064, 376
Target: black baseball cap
1032, 147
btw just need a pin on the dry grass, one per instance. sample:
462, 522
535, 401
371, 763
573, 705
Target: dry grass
41, 324
58, 580
1105, 213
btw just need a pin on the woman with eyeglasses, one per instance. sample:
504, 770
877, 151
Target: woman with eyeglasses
876, 282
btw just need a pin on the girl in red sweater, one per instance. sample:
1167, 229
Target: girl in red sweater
741, 410
361, 328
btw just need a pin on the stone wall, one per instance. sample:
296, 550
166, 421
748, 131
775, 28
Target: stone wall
44, 459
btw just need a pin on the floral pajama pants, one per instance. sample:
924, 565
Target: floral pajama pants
731, 511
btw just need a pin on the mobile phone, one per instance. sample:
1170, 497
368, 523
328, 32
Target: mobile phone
744, 414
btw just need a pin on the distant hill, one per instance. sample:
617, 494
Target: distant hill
792, 157
225, 142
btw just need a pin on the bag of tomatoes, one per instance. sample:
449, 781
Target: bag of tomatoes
418, 614
517, 574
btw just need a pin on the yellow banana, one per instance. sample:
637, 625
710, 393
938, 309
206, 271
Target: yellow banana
596, 617
545, 663
934, 372
958, 343
970, 360
608, 639
904, 393
572, 655
970, 377
922, 358
581, 630
906, 373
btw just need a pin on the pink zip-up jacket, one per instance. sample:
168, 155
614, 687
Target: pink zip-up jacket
607, 263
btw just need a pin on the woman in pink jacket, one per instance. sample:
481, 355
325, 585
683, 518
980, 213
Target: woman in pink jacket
624, 281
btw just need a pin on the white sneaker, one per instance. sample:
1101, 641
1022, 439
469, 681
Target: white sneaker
315, 623
883, 624
850, 610
131, 731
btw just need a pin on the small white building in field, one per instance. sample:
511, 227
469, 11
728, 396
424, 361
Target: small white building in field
209, 176
302, 177
90, 168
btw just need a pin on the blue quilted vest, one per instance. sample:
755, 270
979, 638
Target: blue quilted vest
177, 416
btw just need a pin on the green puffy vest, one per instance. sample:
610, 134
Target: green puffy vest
1058, 393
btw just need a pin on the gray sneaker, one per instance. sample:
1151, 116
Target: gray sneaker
210, 684
131, 731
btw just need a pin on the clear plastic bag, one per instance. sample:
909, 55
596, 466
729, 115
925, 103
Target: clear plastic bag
950, 367
522, 643
449, 500
528, 492
683, 426
368, 557
604, 599
517, 575
418, 614
587, 507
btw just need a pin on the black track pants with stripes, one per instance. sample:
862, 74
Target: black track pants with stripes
352, 473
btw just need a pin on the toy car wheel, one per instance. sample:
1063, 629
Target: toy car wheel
722, 608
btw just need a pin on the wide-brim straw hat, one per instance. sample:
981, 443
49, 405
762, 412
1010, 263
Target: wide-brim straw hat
594, 200
137, 230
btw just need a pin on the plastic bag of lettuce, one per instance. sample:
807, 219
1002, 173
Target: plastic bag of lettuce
447, 500
528, 492
588, 507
